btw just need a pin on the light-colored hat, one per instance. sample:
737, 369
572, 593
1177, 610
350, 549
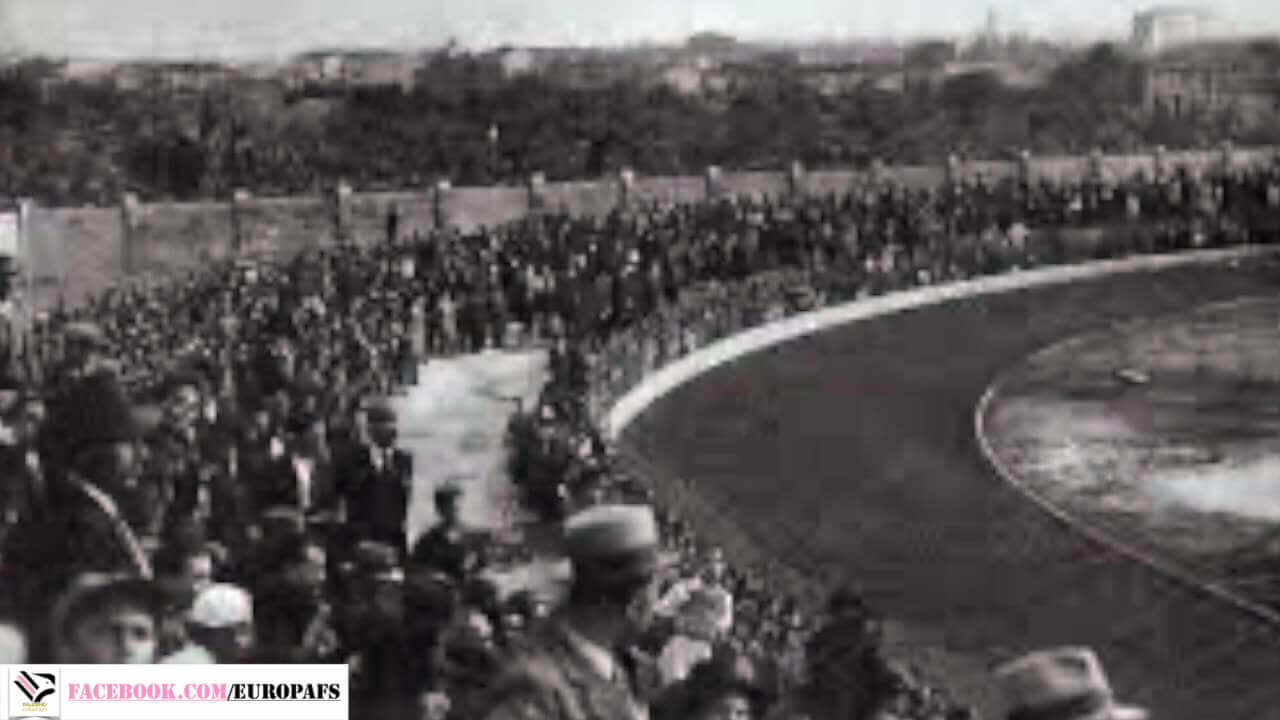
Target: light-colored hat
13, 645
1062, 683
613, 543
606, 530
221, 605
86, 332
378, 561
284, 515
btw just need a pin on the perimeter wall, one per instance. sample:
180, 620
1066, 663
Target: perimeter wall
75, 252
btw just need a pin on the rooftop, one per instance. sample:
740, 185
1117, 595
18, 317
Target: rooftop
1170, 11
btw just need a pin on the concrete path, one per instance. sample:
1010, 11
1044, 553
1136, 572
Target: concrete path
454, 421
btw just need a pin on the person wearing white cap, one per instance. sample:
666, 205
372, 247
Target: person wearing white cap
572, 670
13, 645
711, 578
1061, 684
221, 627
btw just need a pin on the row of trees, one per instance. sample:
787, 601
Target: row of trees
465, 120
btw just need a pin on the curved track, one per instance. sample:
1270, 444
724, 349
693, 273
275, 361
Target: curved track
861, 440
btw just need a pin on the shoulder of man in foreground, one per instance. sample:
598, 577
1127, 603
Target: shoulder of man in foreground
530, 687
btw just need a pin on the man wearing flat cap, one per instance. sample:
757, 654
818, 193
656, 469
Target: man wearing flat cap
1061, 684
572, 669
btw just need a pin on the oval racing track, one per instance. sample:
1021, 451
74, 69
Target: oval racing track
860, 441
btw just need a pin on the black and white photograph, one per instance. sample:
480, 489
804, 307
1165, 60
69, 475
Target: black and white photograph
677, 360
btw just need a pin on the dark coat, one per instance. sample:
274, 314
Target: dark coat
21, 487
79, 529
277, 485
552, 680
446, 550
376, 502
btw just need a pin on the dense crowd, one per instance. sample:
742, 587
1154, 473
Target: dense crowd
206, 470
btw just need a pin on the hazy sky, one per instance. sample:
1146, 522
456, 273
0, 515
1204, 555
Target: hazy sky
238, 28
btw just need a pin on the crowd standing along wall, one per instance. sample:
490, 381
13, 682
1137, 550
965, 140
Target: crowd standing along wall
78, 251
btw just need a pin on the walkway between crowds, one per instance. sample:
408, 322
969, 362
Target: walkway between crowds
454, 422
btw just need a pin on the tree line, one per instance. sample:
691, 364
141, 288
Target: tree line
463, 119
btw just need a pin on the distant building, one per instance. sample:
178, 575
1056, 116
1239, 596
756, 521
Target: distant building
88, 70
382, 70
355, 68
848, 54
1011, 74
329, 68
516, 62
837, 79
188, 77
596, 71
1214, 79
1162, 28
711, 43
685, 78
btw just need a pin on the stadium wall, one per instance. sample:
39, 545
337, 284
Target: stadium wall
76, 252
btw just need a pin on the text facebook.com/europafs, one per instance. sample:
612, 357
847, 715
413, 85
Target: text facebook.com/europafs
203, 692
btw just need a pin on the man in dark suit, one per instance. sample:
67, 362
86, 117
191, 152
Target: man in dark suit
449, 546
79, 526
375, 482
24, 484
302, 476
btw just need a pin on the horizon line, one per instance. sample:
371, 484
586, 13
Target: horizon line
405, 48
1065, 38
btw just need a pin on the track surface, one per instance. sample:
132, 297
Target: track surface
862, 440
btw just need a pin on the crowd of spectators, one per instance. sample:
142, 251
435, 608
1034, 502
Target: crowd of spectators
206, 470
